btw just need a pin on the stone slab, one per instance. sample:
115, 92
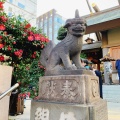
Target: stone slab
5, 83
41, 110
69, 88
68, 72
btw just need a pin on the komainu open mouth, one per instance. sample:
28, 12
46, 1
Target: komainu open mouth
78, 30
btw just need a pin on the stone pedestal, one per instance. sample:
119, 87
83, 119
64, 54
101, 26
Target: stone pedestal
69, 97
61, 111
5, 83
69, 88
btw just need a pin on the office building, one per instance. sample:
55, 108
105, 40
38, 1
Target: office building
26, 8
50, 23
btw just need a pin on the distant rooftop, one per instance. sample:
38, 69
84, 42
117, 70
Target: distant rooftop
103, 16
97, 44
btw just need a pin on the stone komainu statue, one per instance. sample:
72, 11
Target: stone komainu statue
61, 56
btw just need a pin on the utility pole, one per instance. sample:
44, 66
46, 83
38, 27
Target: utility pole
98, 34
95, 7
89, 6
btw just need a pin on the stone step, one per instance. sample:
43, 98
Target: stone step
111, 93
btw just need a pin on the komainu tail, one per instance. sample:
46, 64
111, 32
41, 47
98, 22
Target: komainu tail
46, 52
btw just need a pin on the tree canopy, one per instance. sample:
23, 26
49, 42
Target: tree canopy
62, 32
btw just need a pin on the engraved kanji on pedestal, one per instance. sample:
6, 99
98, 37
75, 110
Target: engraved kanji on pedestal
95, 89
80, 89
68, 116
59, 90
41, 114
68, 91
51, 89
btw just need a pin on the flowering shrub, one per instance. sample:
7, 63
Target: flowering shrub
20, 45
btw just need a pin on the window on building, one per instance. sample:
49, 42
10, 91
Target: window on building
55, 33
41, 24
56, 27
45, 30
50, 29
50, 21
21, 5
11, 1
45, 22
50, 35
9, 14
59, 20
30, 6
55, 19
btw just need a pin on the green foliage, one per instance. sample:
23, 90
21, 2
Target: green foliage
20, 47
62, 32
30, 77
83, 55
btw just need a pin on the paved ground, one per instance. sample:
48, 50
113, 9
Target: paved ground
113, 112
111, 93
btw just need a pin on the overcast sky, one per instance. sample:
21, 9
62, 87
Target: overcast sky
66, 8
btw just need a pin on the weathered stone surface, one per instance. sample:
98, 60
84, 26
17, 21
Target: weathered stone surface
99, 110
69, 88
55, 111
64, 54
68, 72
68, 91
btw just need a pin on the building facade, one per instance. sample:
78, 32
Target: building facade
107, 22
27, 9
50, 22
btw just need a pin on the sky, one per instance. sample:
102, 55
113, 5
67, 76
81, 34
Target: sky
66, 8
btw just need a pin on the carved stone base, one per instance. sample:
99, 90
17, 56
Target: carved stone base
55, 111
68, 72
69, 88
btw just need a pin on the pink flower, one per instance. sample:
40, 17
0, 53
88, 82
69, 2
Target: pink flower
34, 55
1, 46
2, 27
1, 58
0, 37
27, 26
1, 5
30, 38
37, 36
24, 34
47, 40
18, 53
42, 38
14, 42
9, 48
30, 32
42, 46
3, 18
